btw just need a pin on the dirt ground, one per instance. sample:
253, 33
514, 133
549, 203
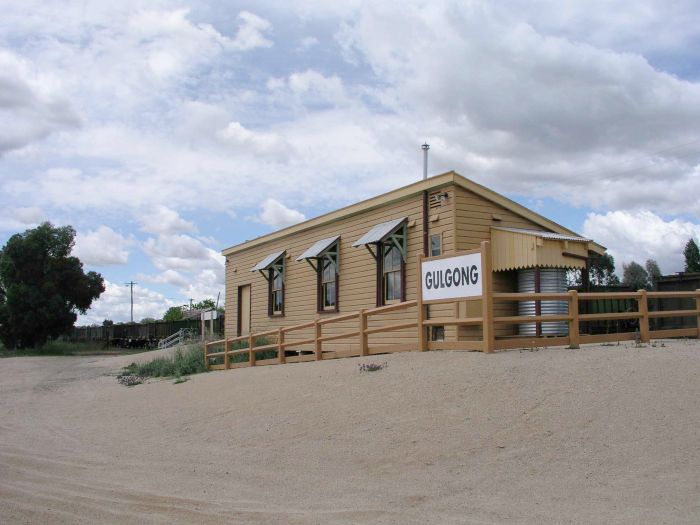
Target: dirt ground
604, 434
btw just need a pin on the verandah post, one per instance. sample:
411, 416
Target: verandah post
206, 359
317, 343
644, 319
574, 338
422, 338
489, 340
363, 332
280, 348
251, 354
697, 309
226, 357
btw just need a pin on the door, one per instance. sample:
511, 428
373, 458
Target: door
244, 310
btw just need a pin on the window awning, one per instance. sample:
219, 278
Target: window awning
380, 232
318, 249
518, 248
267, 262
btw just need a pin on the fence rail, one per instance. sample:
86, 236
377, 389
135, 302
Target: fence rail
312, 332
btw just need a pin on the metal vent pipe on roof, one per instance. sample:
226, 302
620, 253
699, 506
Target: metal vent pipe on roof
425, 147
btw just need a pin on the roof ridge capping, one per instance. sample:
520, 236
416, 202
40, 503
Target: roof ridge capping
436, 181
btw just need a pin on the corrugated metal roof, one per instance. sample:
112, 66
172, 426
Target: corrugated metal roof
379, 232
267, 261
544, 234
318, 248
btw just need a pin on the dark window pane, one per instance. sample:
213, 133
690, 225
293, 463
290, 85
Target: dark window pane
435, 245
387, 257
329, 295
397, 285
397, 259
277, 302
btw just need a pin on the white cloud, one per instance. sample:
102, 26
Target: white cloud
20, 218
526, 111
308, 42
163, 220
204, 285
171, 277
277, 215
251, 32
182, 252
242, 139
102, 247
642, 235
31, 104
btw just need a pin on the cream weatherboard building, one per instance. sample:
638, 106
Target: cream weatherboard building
366, 255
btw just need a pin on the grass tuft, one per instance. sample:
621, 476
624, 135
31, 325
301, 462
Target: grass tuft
182, 363
372, 367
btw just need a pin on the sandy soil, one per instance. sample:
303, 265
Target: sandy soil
596, 435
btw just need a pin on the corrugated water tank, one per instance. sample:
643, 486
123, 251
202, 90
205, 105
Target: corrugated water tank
552, 280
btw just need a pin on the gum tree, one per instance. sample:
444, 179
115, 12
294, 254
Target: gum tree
42, 287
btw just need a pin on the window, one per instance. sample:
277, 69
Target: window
392, 270
272, 269
437, 333
276, 299
328, 288
436, 244
386, 242
323, 257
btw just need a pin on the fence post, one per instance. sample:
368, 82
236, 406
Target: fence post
280, 348
251, 354
574, 338
422, 339
318, 350
362, 329
206, 359
697, 308
226, 356
488, 336
644, 320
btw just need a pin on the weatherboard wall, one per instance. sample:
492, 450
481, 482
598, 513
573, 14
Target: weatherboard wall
464, 219
357, 276
474, 218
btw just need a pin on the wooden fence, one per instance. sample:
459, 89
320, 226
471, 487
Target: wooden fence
313, 331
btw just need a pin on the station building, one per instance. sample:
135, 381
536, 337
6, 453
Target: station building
366, 255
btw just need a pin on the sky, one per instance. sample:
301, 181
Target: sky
164, 132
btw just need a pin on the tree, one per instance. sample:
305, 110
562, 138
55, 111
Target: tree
205, 304
635, 276
653, 271
174, 313
602, 271
147, 320
42, 286
692, 256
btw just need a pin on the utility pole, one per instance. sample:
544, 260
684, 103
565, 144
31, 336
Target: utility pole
131, 284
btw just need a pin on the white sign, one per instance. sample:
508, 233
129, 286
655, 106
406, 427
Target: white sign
209, 315
452, 277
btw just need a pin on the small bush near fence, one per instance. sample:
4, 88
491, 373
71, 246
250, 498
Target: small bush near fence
244, 358
183, 362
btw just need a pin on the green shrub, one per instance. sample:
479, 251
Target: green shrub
187, 362
259, 356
